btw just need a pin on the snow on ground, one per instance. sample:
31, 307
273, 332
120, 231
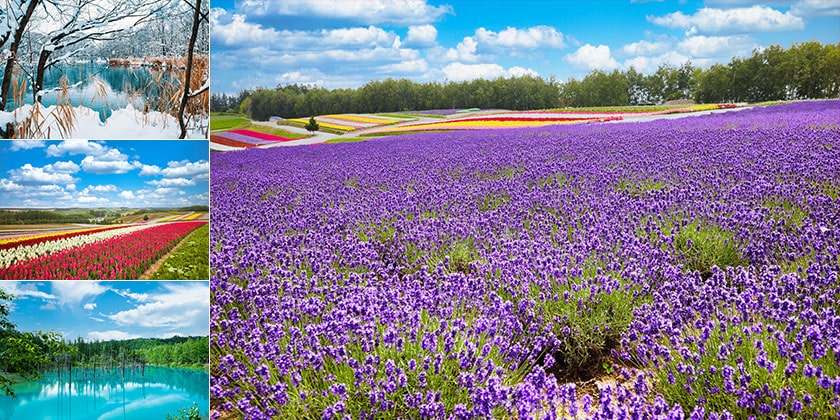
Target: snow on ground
123, 123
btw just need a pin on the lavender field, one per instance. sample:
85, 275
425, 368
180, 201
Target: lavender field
680, 268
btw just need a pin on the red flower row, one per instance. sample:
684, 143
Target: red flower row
121, 257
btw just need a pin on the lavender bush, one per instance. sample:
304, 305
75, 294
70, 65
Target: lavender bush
694, 262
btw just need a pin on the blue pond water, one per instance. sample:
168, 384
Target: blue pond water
147, 395
136, 86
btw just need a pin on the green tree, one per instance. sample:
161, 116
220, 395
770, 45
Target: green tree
22, 354
312, 125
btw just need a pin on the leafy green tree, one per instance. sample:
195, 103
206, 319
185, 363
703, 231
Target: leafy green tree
312, 125
22, 354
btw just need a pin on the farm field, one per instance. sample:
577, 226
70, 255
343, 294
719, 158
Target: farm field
113, 252
343, 128
235, 131
661, 269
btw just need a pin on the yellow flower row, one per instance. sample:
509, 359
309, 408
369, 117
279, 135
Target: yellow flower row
325, 124
362, 119
45, 235
193, 216
706, 107
166, 219
479, 124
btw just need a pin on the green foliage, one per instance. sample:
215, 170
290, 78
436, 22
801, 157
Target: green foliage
191, 261
183, 414
589, 318
709, 364
21, 353
493, 201
705, 245
637, 189
793, 214
312, 125
192, 351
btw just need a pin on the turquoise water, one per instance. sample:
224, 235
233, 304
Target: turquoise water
122, 86
147, 395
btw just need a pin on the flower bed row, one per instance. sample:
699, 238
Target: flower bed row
192, 217
505, 120
246, 138
348, 122
25, 252
124, 256
47, 237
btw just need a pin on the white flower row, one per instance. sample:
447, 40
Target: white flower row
9, 256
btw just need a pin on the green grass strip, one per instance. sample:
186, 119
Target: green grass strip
191, 261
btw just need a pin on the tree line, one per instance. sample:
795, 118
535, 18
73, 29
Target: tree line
390, 95
807, 70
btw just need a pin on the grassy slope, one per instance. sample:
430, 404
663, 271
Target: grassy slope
223, 122
189, 262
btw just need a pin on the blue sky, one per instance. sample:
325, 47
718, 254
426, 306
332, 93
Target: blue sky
111, 310
339, 44
118, 173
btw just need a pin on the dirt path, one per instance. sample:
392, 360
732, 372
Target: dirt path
148, 274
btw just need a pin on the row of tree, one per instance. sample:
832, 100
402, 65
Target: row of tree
804, 71
525, 92
808, 70
20, 217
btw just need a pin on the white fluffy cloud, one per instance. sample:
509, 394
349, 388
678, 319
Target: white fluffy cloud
410, 66
74, 292
421, 36
90, 306
68, 167
100, 189
128, 195
393, 12
26, 289
180, 305
149, 170
172, 182
591, 58
646, 47
649, 65
814, 8
96, 165
531, 38
464, 51
460, 71
26, 144
711, 46
76, 147
7, 185
187, 169
232, 30
31, 175
731, 21
110, 335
